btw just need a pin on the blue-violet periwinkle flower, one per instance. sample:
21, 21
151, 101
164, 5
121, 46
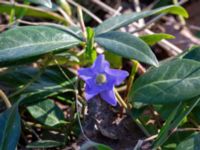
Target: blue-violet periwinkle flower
100, 79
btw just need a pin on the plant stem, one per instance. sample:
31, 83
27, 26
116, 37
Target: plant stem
120, 100
5, 99
138, 122
132, 77
82, 24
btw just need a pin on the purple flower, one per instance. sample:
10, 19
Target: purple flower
100, 79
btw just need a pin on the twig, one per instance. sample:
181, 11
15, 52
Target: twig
164, 43
149, 23
141, 22
151, 138
105, 7
117, 11
85, 10
186, 129
65, 6
82, 24
120, 100
5, 99
193, 27
66, 16
175, 130
141, 68
185, 32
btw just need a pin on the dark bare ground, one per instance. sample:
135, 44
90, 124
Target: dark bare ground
104, 124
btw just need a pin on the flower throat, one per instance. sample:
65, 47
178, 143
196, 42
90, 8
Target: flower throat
101, 79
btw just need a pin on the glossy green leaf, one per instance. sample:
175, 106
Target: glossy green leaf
191, 143
175, 119
154, 38
46, 3
44, 144
47, 113
193, 53
128, 46
116, 22
41, 84
172, 82
34, 41
10, 128
5, 7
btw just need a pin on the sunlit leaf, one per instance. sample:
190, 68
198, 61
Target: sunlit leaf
34, 41
128, 46
172, 82
5, 7
117, 22
154, 38
47, 113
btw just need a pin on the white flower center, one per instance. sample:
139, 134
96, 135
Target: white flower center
101, 79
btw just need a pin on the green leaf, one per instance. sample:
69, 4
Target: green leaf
154, 38
176, 117
114, 60
128, 46
163, 134
98, 146
34, 41
193, 53
47, 113
172, 82
117, 22
46, 3
191, 143
44, 144
6, 7
90, 52
10, 128
39, 84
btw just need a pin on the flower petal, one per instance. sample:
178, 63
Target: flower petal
100, 64
90, 92
85, 73
118, 75
109, 96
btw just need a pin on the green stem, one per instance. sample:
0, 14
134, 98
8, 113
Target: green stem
132, 77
